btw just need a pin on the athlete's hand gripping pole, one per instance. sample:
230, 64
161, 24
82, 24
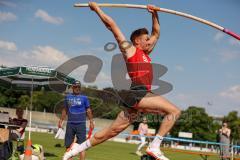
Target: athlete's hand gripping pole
227, 31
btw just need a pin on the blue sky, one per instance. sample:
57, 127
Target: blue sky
203, 63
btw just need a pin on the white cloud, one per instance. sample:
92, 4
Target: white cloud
6, 62
51, 57
218, 36
10, 46
232, 93
83, 39
179, 68
47, 18
47, 55
103, 77
102, 80
7, 16
38, 56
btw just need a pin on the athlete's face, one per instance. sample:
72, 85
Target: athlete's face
143, 42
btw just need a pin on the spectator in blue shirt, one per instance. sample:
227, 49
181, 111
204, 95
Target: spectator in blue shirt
76, 107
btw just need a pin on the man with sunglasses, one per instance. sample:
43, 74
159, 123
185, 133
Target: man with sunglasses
76, 107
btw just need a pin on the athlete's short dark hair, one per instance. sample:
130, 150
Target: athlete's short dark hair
137, 33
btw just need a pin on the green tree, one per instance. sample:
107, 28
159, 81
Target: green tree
24, 101
3, 100
12, 96
197, 121
46, 100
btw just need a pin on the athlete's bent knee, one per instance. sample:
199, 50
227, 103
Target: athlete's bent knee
177, 113
174, 113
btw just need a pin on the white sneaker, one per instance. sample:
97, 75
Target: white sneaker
66, 156
138, 153
72, 152
156, 153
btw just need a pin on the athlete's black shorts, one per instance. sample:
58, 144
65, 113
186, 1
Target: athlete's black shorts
130, 98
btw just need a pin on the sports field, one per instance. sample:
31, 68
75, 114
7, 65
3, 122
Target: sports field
105, 151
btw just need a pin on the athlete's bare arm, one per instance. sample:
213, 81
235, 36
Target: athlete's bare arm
155, 28
127, 49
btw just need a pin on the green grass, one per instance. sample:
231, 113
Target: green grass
106, 151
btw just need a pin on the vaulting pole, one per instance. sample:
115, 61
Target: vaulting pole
227, 31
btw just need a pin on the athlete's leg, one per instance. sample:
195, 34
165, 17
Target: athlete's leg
122, 122
152, 103
157, 104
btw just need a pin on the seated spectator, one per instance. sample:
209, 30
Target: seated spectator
19, 121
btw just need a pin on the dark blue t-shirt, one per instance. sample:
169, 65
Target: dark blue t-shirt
76, 106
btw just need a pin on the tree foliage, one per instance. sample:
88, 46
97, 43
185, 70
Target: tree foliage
105, 104
195, 120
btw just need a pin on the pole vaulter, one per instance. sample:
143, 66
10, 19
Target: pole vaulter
227, 31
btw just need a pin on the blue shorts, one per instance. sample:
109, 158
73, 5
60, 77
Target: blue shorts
78, 129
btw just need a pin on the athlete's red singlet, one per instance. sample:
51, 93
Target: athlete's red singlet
140, 69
